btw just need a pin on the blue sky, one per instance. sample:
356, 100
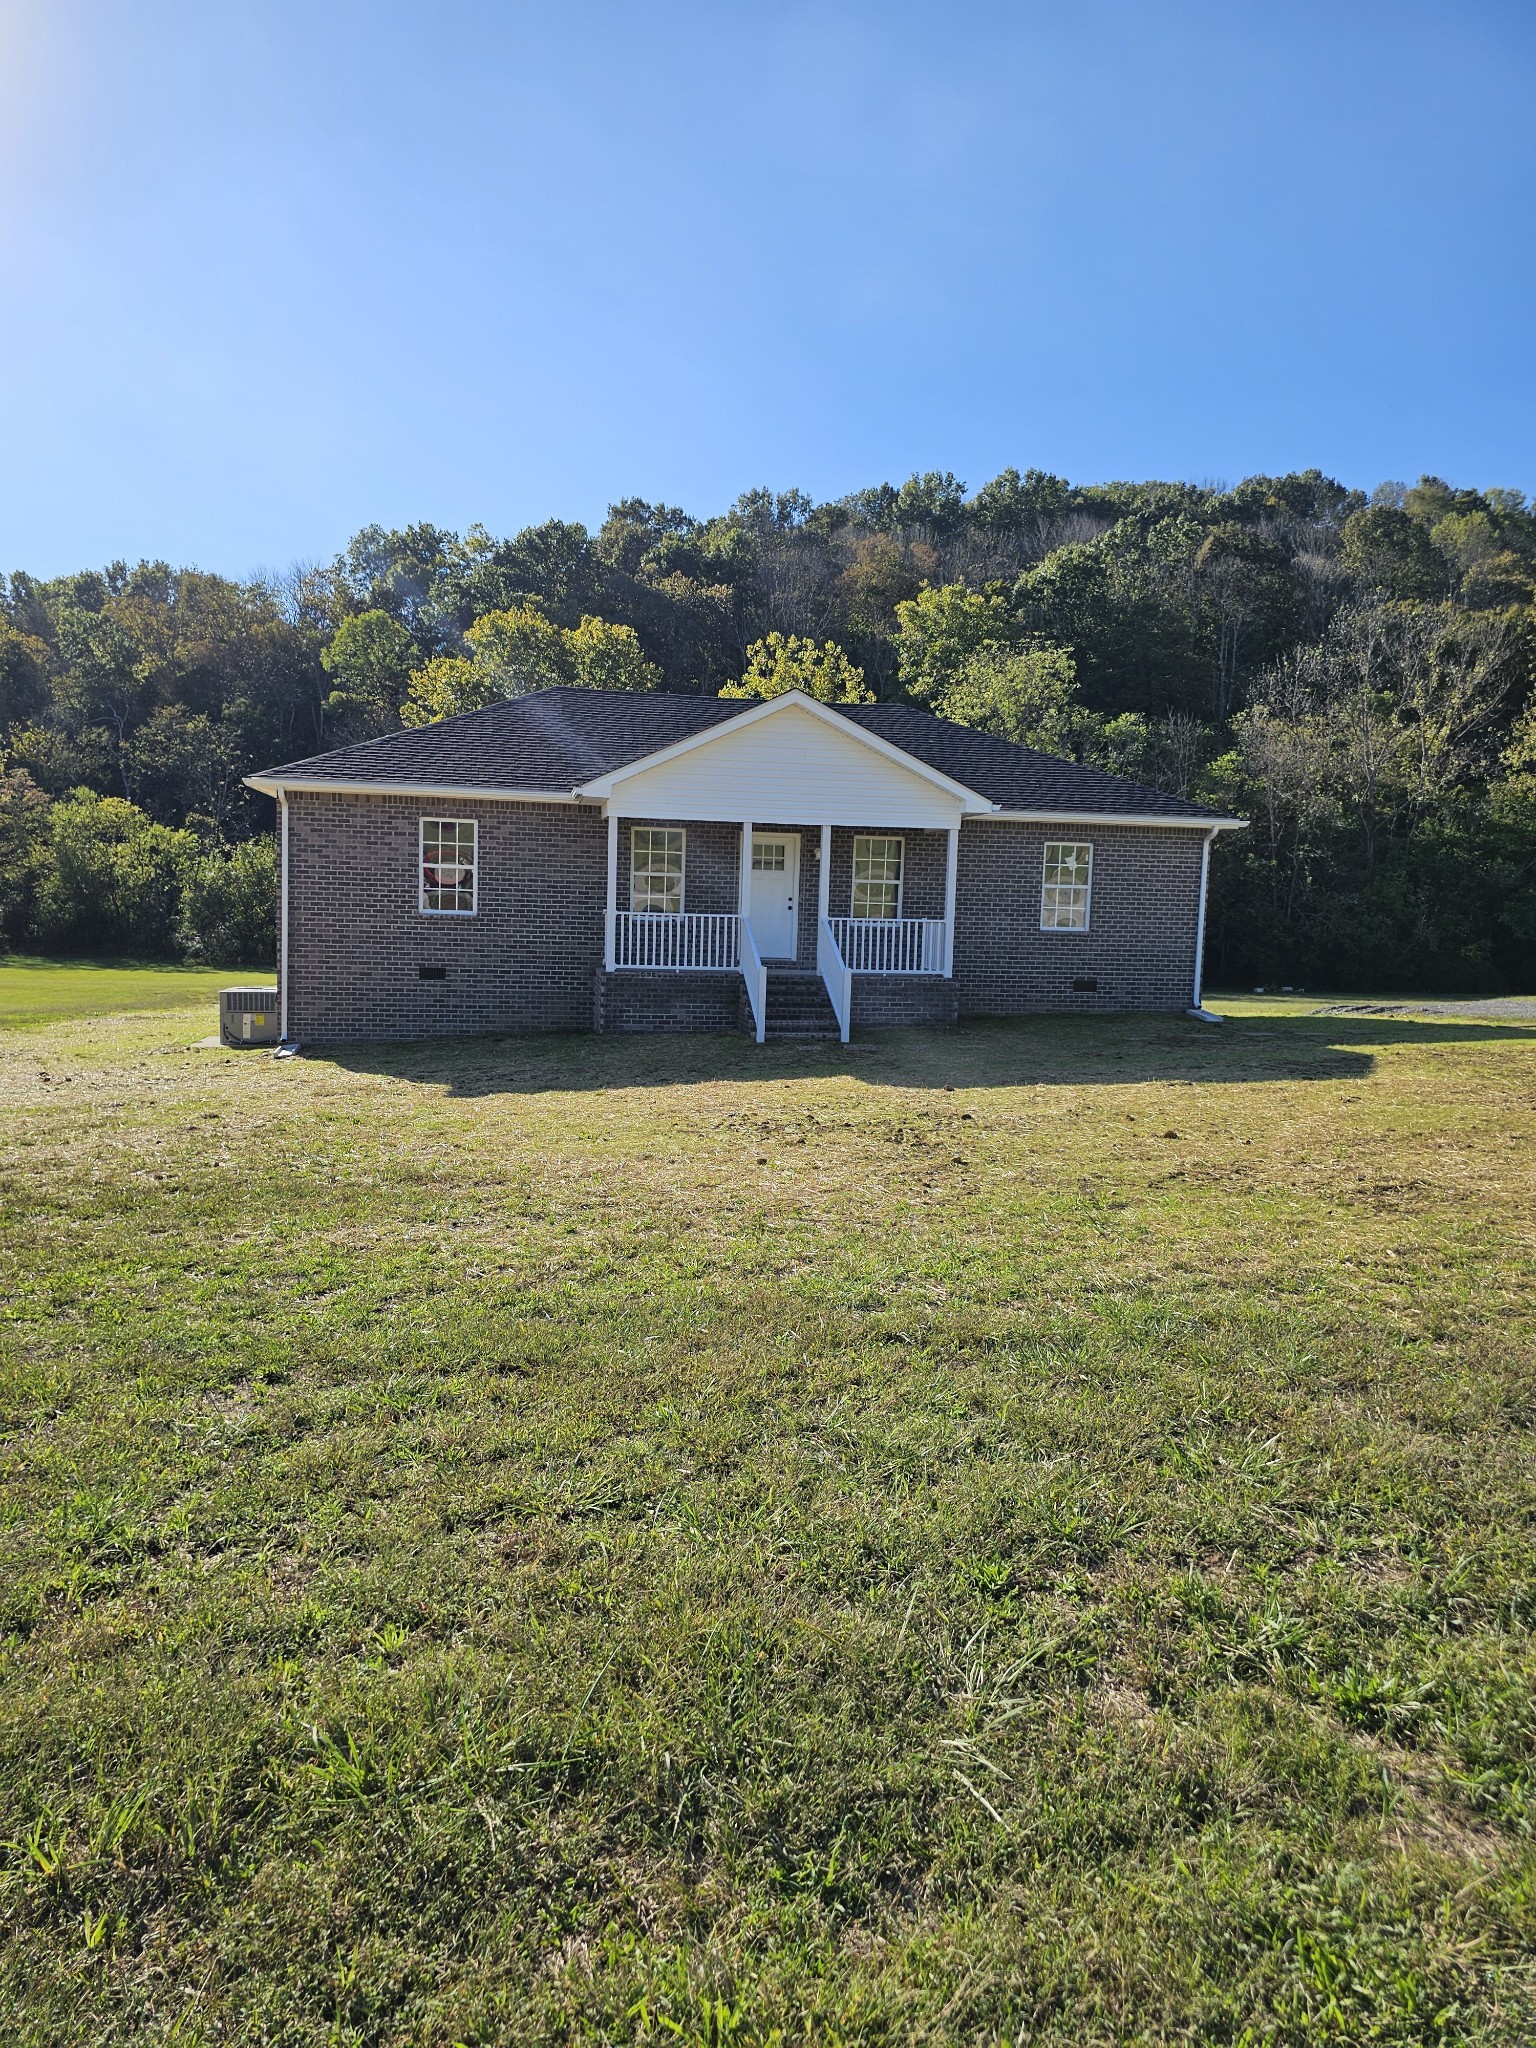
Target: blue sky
270, 271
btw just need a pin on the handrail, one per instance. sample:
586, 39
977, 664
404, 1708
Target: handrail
693, 939
837, 975
755, 975
891, 945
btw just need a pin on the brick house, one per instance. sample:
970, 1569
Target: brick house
582, 859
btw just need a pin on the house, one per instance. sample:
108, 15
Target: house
582, 859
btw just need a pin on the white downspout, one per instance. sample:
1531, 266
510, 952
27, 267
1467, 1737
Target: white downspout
611, 914
951, 873
1195, 1009
282, 964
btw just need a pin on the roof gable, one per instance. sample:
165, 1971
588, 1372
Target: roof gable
792, 717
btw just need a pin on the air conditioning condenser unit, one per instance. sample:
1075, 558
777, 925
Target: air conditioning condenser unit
248, 1016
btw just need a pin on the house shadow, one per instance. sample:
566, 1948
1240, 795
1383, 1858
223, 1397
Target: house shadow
1021, 1052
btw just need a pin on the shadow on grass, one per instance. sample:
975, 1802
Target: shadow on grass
1046, 1052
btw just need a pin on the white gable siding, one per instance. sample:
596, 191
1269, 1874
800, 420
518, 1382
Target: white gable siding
792, 768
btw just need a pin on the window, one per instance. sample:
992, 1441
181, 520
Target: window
656, 870
770, 856
448, 865
876, 877
1064, 891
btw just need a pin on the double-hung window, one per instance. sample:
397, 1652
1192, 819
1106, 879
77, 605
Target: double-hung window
1066, 887
876, 877
450, 866
656, 870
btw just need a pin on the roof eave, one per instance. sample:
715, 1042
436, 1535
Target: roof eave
278, 784
1064, 817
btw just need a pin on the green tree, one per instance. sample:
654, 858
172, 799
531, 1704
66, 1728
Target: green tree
521, 649
447, 685
940, 629
1014, 503
1129, 605
1393, 553
180, 762
1024, 694
107, 684
607, 657
552, 563
24, 810
24, 692
936, 499
229, 904
882, 572
785, 662
111, 879
371, 657
400, 571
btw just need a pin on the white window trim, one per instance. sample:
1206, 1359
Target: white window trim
682, 880
422, 905
853, 880
1067, 930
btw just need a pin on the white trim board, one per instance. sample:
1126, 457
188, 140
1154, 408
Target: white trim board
274, 785
1115, 818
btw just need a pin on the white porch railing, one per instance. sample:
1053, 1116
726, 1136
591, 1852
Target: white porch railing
697, 939
837, 974
890, 945
755, 975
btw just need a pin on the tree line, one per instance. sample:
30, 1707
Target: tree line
1353, 673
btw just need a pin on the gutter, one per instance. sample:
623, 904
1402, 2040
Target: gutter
336, 787
1205, 824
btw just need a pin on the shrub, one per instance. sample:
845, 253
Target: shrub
110, 879
229, 905
24, 812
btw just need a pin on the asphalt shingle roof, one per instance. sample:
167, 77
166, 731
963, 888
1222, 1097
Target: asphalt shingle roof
551, 740
1018, 778
556, 739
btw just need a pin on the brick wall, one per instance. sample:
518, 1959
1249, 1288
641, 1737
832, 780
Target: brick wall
357, 940
531, 957
1140, 947
883, 1000
636, 999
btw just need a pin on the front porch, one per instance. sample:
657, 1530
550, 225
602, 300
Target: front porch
776, 921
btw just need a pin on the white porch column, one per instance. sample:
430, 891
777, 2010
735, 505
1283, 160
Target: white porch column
746, 868
951, 864
610, 919
824, 888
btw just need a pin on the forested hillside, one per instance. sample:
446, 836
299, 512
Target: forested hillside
1355, 675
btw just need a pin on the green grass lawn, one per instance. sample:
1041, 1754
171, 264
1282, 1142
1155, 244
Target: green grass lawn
1022, 1534
38, 991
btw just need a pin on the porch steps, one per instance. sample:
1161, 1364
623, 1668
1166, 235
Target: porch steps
799, 1007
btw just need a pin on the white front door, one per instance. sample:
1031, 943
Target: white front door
775, 896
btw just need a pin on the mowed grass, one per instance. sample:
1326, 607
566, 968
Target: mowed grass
1021, 1534
34, 990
